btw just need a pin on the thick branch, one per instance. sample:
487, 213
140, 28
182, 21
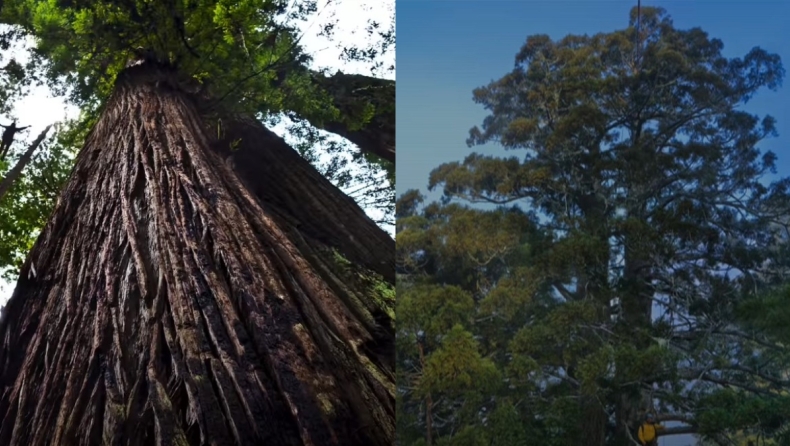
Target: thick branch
677, 431
705, 376
673, 417
351, 94
13, 175
563, 291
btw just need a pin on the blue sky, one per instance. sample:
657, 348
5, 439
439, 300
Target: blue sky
446, 48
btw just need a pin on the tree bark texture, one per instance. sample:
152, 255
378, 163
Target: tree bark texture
165, 304
289, 186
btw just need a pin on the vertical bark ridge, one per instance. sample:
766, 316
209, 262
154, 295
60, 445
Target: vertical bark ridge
321, 218
163, 305
289, 187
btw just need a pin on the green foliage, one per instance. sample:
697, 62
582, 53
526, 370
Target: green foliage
608, 288
26, 207
769, 314
235, 47
456, 367
506, 426
12, 73
434, 310
730, 410
468, 436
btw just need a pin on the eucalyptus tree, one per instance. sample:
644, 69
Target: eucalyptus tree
645, 184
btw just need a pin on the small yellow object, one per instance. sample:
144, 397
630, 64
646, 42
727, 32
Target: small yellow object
647, 432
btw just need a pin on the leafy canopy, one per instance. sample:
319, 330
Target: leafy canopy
645, 229
235, 46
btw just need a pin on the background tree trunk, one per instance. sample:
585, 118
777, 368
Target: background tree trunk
165, 304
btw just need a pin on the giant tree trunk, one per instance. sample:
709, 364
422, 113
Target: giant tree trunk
164, 303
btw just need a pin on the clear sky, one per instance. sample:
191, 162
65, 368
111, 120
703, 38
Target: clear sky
40, 108
446, 48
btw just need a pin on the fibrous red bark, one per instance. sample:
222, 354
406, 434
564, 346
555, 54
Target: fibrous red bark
288, 185
170, 302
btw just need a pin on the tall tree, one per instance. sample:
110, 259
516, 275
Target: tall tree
198, 281
644, 181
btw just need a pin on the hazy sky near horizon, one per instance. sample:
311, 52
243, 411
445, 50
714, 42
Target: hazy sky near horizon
447, 48
40, 108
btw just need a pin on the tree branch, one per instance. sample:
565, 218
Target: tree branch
677, 431
13, 175
351, 93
